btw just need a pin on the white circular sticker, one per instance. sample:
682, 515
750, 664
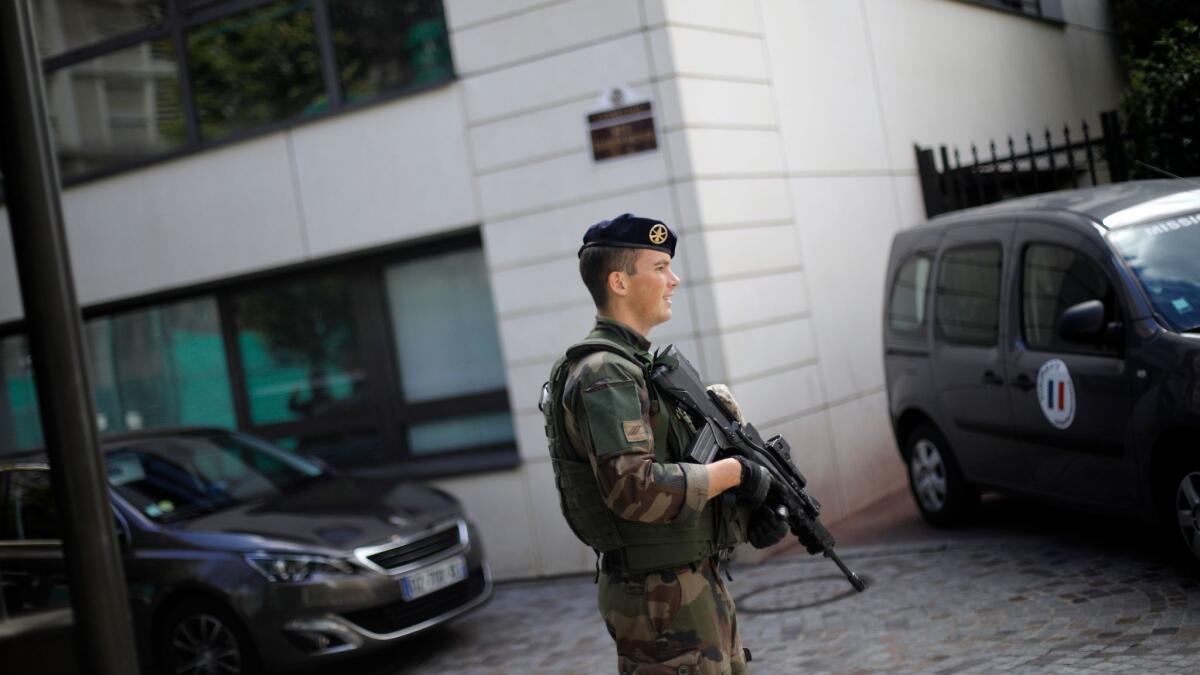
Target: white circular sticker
1056, 393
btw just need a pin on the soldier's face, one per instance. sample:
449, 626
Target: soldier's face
650, 290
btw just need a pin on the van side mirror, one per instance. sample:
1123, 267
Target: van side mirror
1085, 323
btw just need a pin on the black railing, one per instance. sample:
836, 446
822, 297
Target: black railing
1039, 166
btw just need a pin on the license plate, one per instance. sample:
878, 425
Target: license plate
433, 578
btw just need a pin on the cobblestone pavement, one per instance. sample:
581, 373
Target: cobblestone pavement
1020, 592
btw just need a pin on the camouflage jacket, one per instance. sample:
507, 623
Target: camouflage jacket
607, 416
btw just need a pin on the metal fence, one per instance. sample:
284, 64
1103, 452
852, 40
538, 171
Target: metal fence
1042, 165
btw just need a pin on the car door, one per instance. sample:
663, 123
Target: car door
968, 365
32, 570
1072, 403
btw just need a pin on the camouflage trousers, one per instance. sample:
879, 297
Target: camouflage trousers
680, 622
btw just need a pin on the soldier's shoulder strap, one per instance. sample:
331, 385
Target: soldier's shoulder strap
594, 344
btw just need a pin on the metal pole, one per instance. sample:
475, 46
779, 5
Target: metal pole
103, 629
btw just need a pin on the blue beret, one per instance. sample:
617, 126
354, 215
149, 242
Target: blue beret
630, 231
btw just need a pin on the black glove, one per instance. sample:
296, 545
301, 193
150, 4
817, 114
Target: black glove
813, 535
756, 483
766, 527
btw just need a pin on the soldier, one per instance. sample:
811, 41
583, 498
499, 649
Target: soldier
660, 526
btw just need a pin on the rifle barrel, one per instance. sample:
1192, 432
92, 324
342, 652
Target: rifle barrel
855, 581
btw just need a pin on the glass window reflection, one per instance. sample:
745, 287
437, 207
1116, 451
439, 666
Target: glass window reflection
63, 25
471, 431
20, 426
163, 366
254, 68
300, 352
115, 108
383, 45
445, 326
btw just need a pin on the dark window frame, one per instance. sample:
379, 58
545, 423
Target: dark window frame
937, 314
178, 20
389, 413
1079, 350
923, 327
1050, 11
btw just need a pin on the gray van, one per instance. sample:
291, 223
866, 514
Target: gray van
1050, 346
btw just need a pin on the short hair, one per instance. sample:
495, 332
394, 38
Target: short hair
597, 262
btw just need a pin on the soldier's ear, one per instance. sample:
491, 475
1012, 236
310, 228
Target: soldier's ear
618, 284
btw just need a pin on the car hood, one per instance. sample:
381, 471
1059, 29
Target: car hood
338, 513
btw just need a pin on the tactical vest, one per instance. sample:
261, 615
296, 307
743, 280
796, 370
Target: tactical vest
643, 547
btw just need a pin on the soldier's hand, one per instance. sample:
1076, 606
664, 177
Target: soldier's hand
766, 527
755, 484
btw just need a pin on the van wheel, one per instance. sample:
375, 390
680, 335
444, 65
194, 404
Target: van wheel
202, 637
943, 495
1184, 514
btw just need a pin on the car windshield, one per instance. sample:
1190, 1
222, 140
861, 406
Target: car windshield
180, 477
1165, 256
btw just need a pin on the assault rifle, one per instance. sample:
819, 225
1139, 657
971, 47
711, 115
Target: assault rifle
719, 434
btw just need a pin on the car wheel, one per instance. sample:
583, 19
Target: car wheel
943, 496
1184, 516
201, 637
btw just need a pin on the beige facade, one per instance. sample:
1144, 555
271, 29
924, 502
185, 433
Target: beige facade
784, 160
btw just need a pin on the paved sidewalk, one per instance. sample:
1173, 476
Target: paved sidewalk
1021, 592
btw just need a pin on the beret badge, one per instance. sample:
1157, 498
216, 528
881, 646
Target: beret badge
658, 234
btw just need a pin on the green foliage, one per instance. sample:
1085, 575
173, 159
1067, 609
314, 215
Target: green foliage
1141, 22
254, 68
1160, 105
308, 323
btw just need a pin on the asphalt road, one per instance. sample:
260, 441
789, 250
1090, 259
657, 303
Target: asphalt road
1024, 589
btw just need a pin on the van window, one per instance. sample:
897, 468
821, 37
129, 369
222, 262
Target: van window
906, 306
1053, 278
968, 295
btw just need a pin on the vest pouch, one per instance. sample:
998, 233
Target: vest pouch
651, 547
583, 507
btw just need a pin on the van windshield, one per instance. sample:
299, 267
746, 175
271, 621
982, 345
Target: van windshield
1165, 256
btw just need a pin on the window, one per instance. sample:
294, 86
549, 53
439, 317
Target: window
158, 367
445, 332
122, 106
1045, 9
64, 25
20, 425
1053, 278
300, 351
906, 307
387, 358
383, 45
29, 507
254, 68
968, 295
138, 79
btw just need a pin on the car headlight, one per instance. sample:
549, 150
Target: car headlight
297, 567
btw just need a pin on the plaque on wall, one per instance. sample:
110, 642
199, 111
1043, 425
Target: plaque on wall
624, 128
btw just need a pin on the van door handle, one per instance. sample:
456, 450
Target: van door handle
992, 378
1023, 382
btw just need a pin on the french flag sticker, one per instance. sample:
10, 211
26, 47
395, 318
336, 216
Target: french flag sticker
1056, 393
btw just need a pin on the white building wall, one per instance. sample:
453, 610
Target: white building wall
856, 84
785, 163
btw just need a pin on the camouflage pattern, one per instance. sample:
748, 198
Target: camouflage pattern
607, 416
675, 622
678, 621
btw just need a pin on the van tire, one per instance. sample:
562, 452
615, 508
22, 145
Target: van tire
943, 496
1180, 503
